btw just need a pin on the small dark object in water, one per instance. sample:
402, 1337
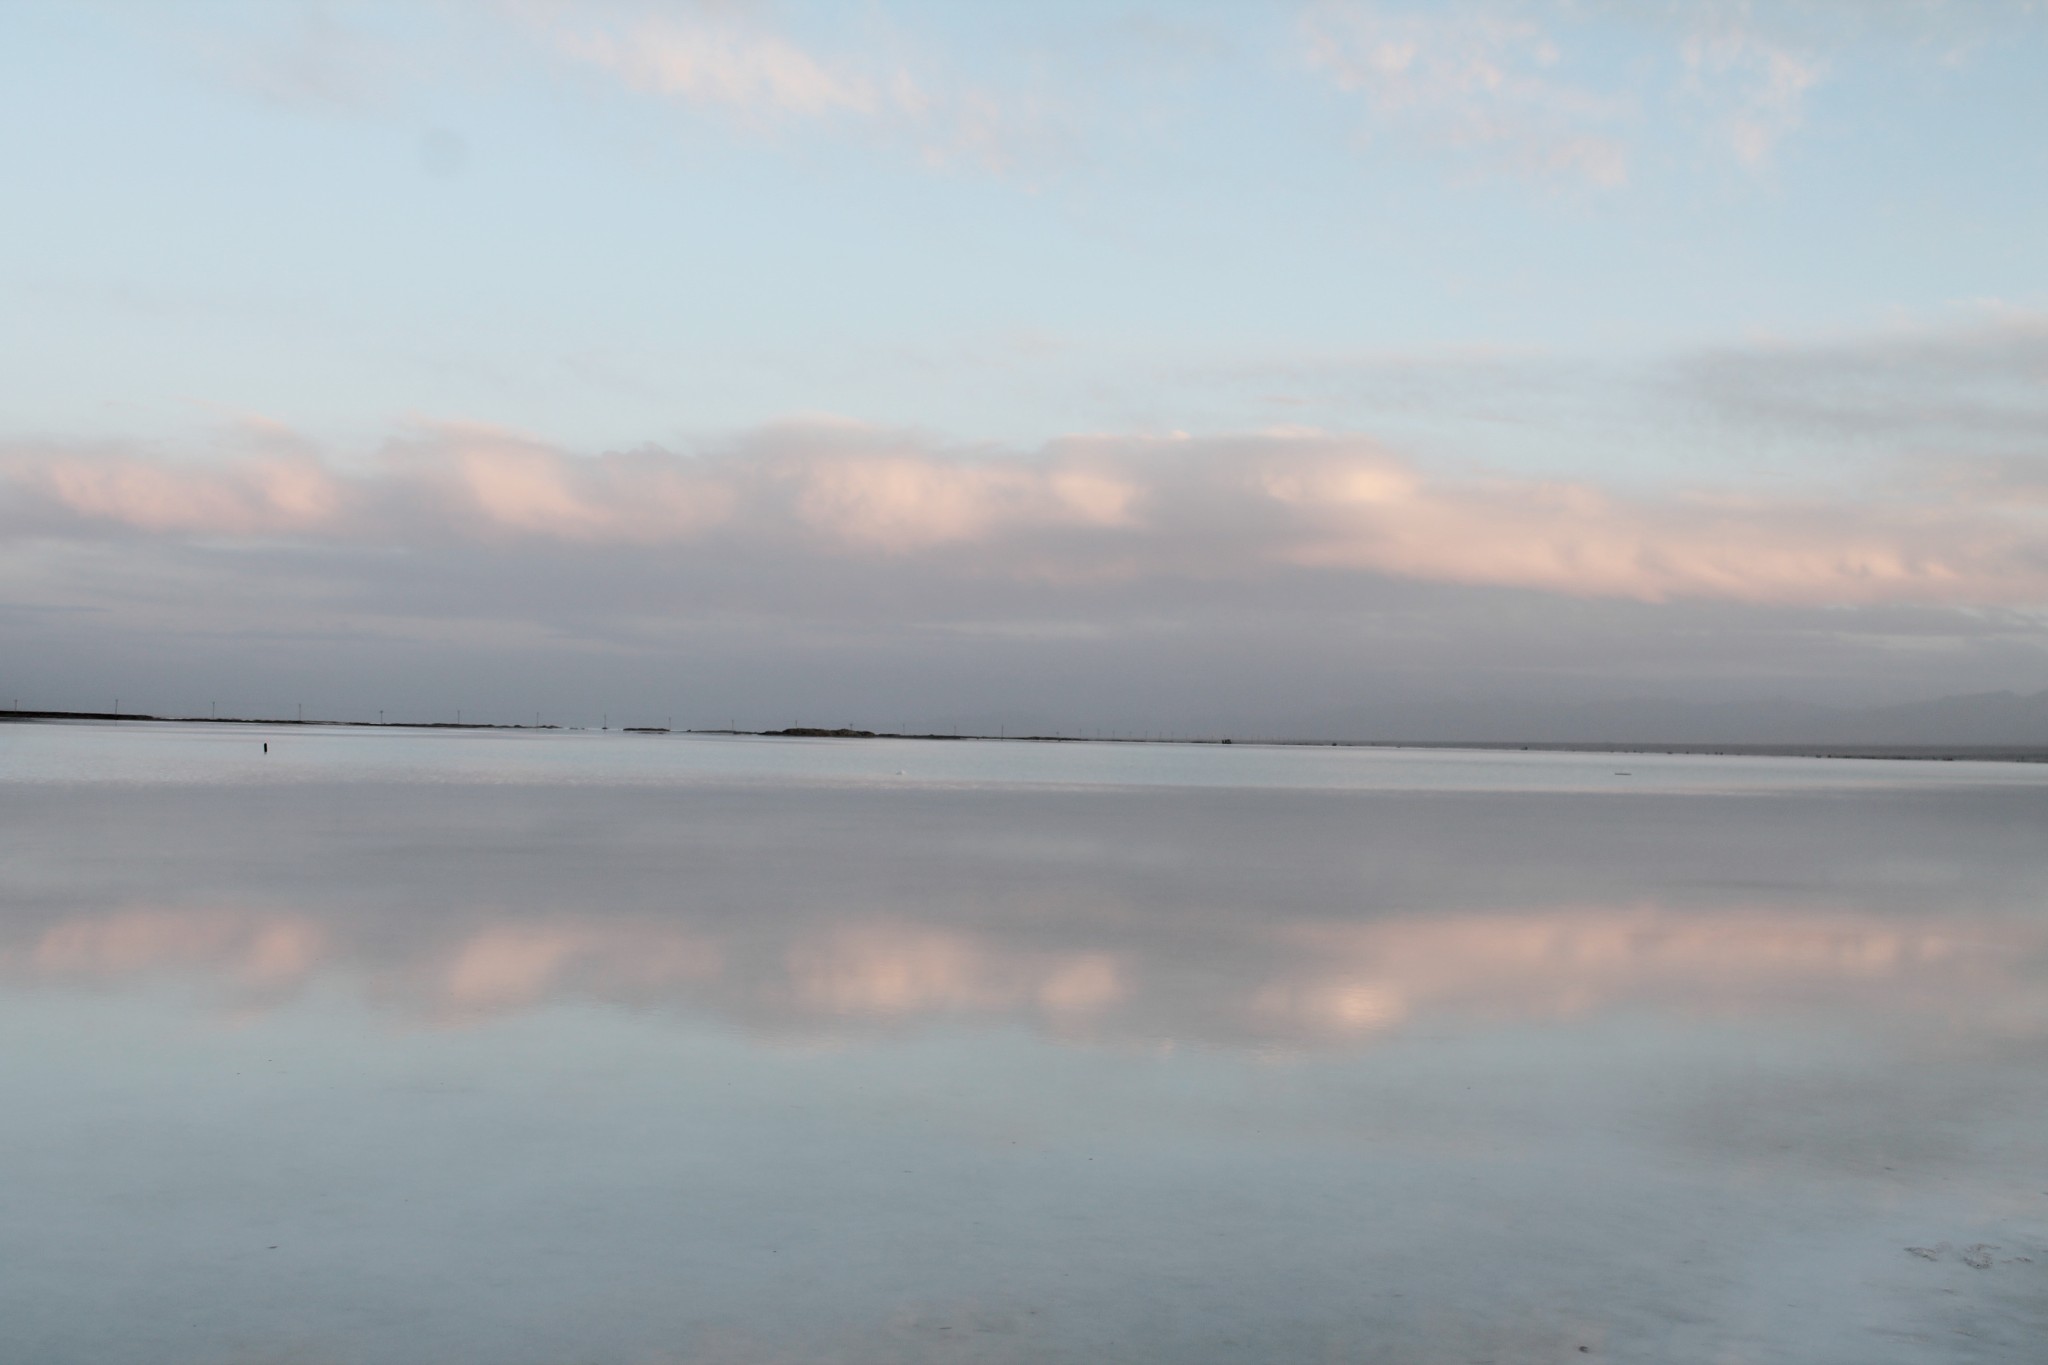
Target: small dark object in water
266, 746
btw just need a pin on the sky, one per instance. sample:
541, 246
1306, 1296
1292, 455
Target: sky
1310, 370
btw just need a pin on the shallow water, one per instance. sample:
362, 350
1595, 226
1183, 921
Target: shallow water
494, 1047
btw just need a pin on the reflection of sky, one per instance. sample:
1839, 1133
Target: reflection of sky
1017, 1063
1097, 892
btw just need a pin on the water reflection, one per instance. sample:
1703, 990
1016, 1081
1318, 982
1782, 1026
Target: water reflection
525, 1072
1308, 983
1234, 918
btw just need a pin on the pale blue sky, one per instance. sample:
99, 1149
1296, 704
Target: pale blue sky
1784, 257
338, 215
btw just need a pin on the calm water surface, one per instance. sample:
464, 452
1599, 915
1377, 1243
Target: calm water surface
509, 1048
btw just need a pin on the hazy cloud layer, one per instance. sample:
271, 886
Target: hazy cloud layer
1975, 386
1298, 581
1084, 509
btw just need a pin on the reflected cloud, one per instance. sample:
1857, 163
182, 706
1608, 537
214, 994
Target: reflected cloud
255, 951
1565, 963
511, 966
1263, 918
1303, 983
895, 970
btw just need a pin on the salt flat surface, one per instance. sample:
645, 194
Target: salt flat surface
505, 1048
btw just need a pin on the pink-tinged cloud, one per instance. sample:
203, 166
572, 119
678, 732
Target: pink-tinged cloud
495, 483
730, 65
1080, 510
727, 59
1577, 539
1474, 82
1770, 86
246, 498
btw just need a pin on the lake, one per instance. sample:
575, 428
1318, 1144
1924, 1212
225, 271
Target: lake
501, 1047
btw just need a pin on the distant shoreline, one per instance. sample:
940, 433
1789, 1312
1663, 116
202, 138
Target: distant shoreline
266, 720
1917, 753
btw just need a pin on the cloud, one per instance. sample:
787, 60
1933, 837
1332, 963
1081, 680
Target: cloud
718, 61
251, 497
310, 60
1579, 540
727, 59
1473, 80
1477, 81
741, 63
1086, 509
495, 484
1760, 85
1570, 92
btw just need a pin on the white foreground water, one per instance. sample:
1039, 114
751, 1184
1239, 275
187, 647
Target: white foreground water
505, 1048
